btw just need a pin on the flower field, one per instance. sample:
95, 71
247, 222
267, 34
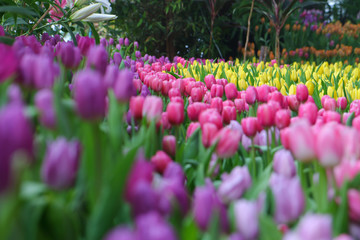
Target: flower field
100, 140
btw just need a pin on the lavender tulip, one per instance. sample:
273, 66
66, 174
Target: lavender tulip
44, 103
152, 226
284, 163
97, 58
124, 88
246, 218
121, 233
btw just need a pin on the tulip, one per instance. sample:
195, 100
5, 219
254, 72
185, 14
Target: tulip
246, 218
328, 149
263, 93
14, 95
230, 91
211, 116
70, 56
239, 105
175, 172
228, 114
85, 12
89, 94
160, 161
145, 91
111, 75
191, 128
308, 111
120, 233
343, 237
284, 163
169, 145
44, 103
266, 115
228, 103
303, 145
209, 81
227, 142
195, 109
136, 106
293, 103
277, 97
250, 126
217, 90
289, 198
346, 171
331, 116
174, 92
206, 204
152, 226
61, 163
217, 104
315, 226
209, 131
84, 44
233, 185
302, 93
284, 138
124, 88
175, 112
152, 108
341, 103
282, 119
354, 205
126, 42
9, 62
330, 104
97, 58
251, 95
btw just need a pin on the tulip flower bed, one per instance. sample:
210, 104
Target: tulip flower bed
98, 142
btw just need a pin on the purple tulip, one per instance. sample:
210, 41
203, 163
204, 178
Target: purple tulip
152, 226
126, 42
111, 75
44, 103
2, 32
97, 58
124, 88
38, 71
45, 37
144, 198
234, 184
9, 62
103, 42
246, 218
89, 94
289, 198
175, 172
70, 56
14, 94
84, 44
284, 163
145, 91
117, 58
121, 233
138, 54
121, 41
61, 162
136, 44
111, 41
207, 205
15, 135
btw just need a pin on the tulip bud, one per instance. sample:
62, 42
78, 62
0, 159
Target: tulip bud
124, 88
308, 111
246, 218
289, 198
196, 94
9, 62
85, 12
206, 204
231, 91
70, 56
284, 163
85, 43
330, 104
209, 131
195, 109
209, 81
211, 116
160, 161
44, 102
315, 226
89, 94
263, 93
152, 108
250, 126
97, 58
174, 92
217, 103
169, 145
282, 119
266, 115
233, 185
341, 103
175, 112
152, 226
302, 93
126, 42
217, 90
228, 114
228, 103
227, 142
136, 106
191, 128
346, 171
331, 116
354, 206
61, 162
251, 95
293, 103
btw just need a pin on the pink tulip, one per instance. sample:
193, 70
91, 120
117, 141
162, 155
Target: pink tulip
217, 90
282, 119
323, 99
227, 142
302, 93
169, 145
175, 112
196, 94
266, 115
166, 85
308, 111
152, 108
277, 97
217, 104
331, 116
164, 121
263, 93
250, 126
209, 81
228, 114
355, 108
209, 130
284, 163
211, 116
230, 91
174, 92
346, 171
293, 103
284, 138
328, 149
191, 128
195, 109
136, 106
239, 105
341, 103
228, 103
354, 205
160, 161
330, 104
251, 95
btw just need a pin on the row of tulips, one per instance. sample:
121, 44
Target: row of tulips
100, 142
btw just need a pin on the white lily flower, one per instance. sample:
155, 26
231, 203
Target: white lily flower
84, 12
106, 5
79, 3
97, 17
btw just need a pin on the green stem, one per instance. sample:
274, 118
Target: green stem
253, 162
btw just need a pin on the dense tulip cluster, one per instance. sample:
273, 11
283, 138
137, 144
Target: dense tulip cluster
148, 148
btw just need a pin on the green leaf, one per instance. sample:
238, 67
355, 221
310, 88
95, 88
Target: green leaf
18, 10
7, 40
350, 119
341, 218
93, 30
268, 229
173, 74
191, 148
